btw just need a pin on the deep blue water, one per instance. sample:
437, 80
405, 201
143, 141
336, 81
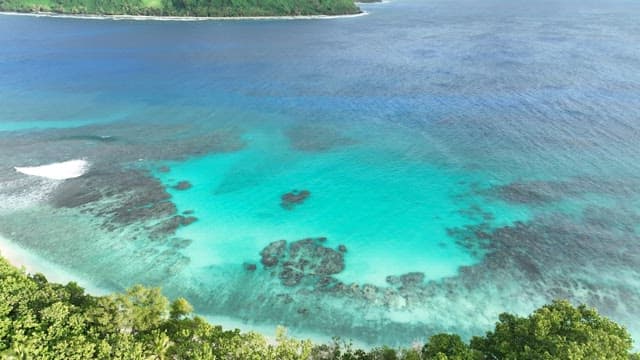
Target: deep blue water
490, 146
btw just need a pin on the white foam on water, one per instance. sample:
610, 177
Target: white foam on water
23, 193
57, 171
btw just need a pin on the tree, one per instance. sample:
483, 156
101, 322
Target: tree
180, 308
160, 344
42, 320
447, 346
144, 308
555, 332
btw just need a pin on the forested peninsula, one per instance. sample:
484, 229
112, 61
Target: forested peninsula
190, 8
44, 320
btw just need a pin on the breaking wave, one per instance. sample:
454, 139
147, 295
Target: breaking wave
57, 171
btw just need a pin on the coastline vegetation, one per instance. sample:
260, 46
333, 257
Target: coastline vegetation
197, 8
44, 320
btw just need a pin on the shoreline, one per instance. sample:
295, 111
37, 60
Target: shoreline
21, 258
180, 18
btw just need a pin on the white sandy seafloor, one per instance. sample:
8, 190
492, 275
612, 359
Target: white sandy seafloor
182, 18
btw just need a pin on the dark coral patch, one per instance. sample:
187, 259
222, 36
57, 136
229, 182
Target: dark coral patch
249, 267
315, 138
170, 225
294, 198
273, 252
182, 185
302, 260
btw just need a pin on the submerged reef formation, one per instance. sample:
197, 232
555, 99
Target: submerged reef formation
118, 204
305, 260
543, 192
120, 211
294, 198
123, 197
310, 264
162, 142
182, 185
523, 264
316, 138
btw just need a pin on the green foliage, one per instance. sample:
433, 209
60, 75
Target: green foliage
185, 7
142, 309
180, 308
42, 320
556, 331
447, 346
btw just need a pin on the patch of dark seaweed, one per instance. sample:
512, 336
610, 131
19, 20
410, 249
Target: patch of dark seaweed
476, 214
553, 256
542, 192
294, 198
169, 226
537, 192
315, 138
182, 185
600, 217
129, 197
122, 196
249, 267
161, 142
179, 243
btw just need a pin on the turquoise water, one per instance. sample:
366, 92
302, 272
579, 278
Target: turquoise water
459, 161
236, 198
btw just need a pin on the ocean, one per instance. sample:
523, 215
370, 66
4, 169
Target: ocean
382, 178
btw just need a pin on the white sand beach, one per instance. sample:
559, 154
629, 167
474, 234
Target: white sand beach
32, 263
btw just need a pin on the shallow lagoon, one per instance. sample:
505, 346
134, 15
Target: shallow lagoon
470, 161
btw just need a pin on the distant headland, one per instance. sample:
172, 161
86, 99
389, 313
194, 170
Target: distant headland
183, 9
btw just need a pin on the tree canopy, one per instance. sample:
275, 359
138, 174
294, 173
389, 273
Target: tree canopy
43, 320
556, 331
200, 8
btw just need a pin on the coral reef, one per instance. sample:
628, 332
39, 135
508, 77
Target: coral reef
304, 259
182, 185
315, 138
294, 198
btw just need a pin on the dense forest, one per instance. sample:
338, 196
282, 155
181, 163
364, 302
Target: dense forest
43, 320
201, 8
